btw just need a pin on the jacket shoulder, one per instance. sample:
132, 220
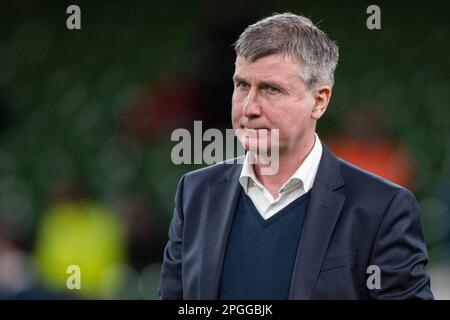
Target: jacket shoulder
215, 172
361, 181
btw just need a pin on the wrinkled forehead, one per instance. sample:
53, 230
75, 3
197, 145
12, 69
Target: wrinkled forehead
279, 57
275, 65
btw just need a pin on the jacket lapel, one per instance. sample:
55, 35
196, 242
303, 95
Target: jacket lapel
322, 214
323, 211
223, 201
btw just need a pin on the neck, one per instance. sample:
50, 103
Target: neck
289, 161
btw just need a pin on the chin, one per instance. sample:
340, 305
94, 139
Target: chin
256, 146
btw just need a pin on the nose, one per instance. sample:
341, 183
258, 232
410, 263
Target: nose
252, 108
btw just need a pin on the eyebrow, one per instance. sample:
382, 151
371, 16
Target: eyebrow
264, 83
237, 78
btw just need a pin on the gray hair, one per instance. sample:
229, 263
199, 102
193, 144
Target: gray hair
295, 36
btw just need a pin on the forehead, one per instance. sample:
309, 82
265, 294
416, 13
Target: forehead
273, 66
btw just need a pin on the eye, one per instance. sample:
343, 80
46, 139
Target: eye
272, 89
242, 85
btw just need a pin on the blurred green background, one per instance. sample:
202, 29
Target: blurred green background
86, 117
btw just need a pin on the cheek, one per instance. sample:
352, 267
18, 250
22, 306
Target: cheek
236, 98
235, 114
236, 107
291, 119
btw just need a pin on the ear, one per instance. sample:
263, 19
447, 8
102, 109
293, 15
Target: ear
322, 96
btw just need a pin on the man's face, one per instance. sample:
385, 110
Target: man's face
269, 94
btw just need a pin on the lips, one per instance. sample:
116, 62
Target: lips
255, 133
254, 128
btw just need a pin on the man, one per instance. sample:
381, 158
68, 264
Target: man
319, 228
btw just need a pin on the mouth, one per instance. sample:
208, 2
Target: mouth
255, 133
254, 128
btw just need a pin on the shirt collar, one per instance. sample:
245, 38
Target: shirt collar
303, 177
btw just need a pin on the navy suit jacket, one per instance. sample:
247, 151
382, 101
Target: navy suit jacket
354, 219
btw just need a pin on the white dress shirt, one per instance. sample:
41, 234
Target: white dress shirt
297, 185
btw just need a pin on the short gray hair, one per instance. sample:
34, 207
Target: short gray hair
295, 36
